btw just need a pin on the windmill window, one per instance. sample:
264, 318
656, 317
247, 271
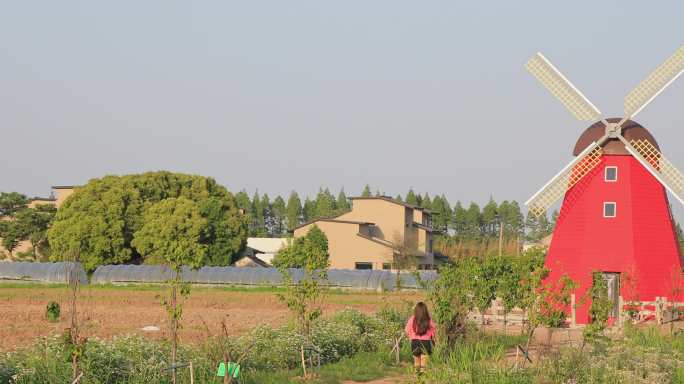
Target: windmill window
611, 174
609, 209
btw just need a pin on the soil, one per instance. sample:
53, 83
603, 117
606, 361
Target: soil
110, 311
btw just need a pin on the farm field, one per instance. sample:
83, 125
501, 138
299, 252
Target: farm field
109, 311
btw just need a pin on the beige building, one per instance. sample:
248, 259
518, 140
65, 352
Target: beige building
260, 251
370, 234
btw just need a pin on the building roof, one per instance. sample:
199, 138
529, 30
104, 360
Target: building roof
391, 200
424, 227
64, 186
267, 244
630, 130
43, 199
334, 220
258, 260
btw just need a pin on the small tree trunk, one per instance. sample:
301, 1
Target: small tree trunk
174, 334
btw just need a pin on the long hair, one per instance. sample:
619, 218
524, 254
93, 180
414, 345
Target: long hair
421, 319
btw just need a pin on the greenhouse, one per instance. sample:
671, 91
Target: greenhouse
41, 272
337, 278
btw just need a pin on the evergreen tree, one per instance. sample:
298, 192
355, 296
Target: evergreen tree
324, 204
267, 212
258, 227
514, 222
309, 210
505, 216
490, 218
441, 213
294, 211
411, 197
544, 226
398, 198
342, 203
532, 227
242, 201
473, 221
279, 215
459, 219
425, 202
366, 191
554, 220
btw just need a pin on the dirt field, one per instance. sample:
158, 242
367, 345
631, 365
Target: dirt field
111, 311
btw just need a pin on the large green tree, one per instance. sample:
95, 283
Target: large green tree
33, 224
98, 222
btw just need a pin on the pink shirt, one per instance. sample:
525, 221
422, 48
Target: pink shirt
412, 334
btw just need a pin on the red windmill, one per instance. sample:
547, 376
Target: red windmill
615, 216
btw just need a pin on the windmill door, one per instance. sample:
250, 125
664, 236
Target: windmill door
613, 283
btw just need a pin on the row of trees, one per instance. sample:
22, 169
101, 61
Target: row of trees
277, 217
19, 222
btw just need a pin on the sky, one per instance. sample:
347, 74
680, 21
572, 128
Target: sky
294, 95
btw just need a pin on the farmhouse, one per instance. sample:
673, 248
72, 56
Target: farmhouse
260, 251
376, 228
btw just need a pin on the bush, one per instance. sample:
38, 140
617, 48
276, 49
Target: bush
52, 312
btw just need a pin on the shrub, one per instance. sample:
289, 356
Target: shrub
52, 312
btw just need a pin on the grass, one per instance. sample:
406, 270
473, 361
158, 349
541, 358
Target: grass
643, 355
364, 366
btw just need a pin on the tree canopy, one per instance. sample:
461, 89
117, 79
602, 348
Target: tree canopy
171, 234
309, 251
100, 220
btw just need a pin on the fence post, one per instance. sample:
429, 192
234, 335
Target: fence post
573, 310
621, 311
659, 310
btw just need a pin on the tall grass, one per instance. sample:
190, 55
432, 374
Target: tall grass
644, 355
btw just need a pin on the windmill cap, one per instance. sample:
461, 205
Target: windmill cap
631, 130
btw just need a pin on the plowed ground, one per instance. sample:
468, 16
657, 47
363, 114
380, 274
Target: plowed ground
112, 311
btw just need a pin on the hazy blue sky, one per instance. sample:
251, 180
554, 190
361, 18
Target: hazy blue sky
289, 95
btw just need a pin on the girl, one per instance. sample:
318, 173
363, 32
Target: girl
420, 329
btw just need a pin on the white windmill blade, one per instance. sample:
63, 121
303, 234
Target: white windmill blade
562, 88
655, 83
552, 191
661, 168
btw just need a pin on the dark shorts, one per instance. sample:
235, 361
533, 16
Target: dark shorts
419, 347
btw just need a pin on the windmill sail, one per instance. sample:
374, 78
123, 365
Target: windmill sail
660, 167
655, 83
562, 88
550, 193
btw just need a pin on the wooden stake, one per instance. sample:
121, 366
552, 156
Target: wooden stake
192, 374
303, 361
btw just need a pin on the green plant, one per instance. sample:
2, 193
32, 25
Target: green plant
52, 312
171, 234
599, 311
